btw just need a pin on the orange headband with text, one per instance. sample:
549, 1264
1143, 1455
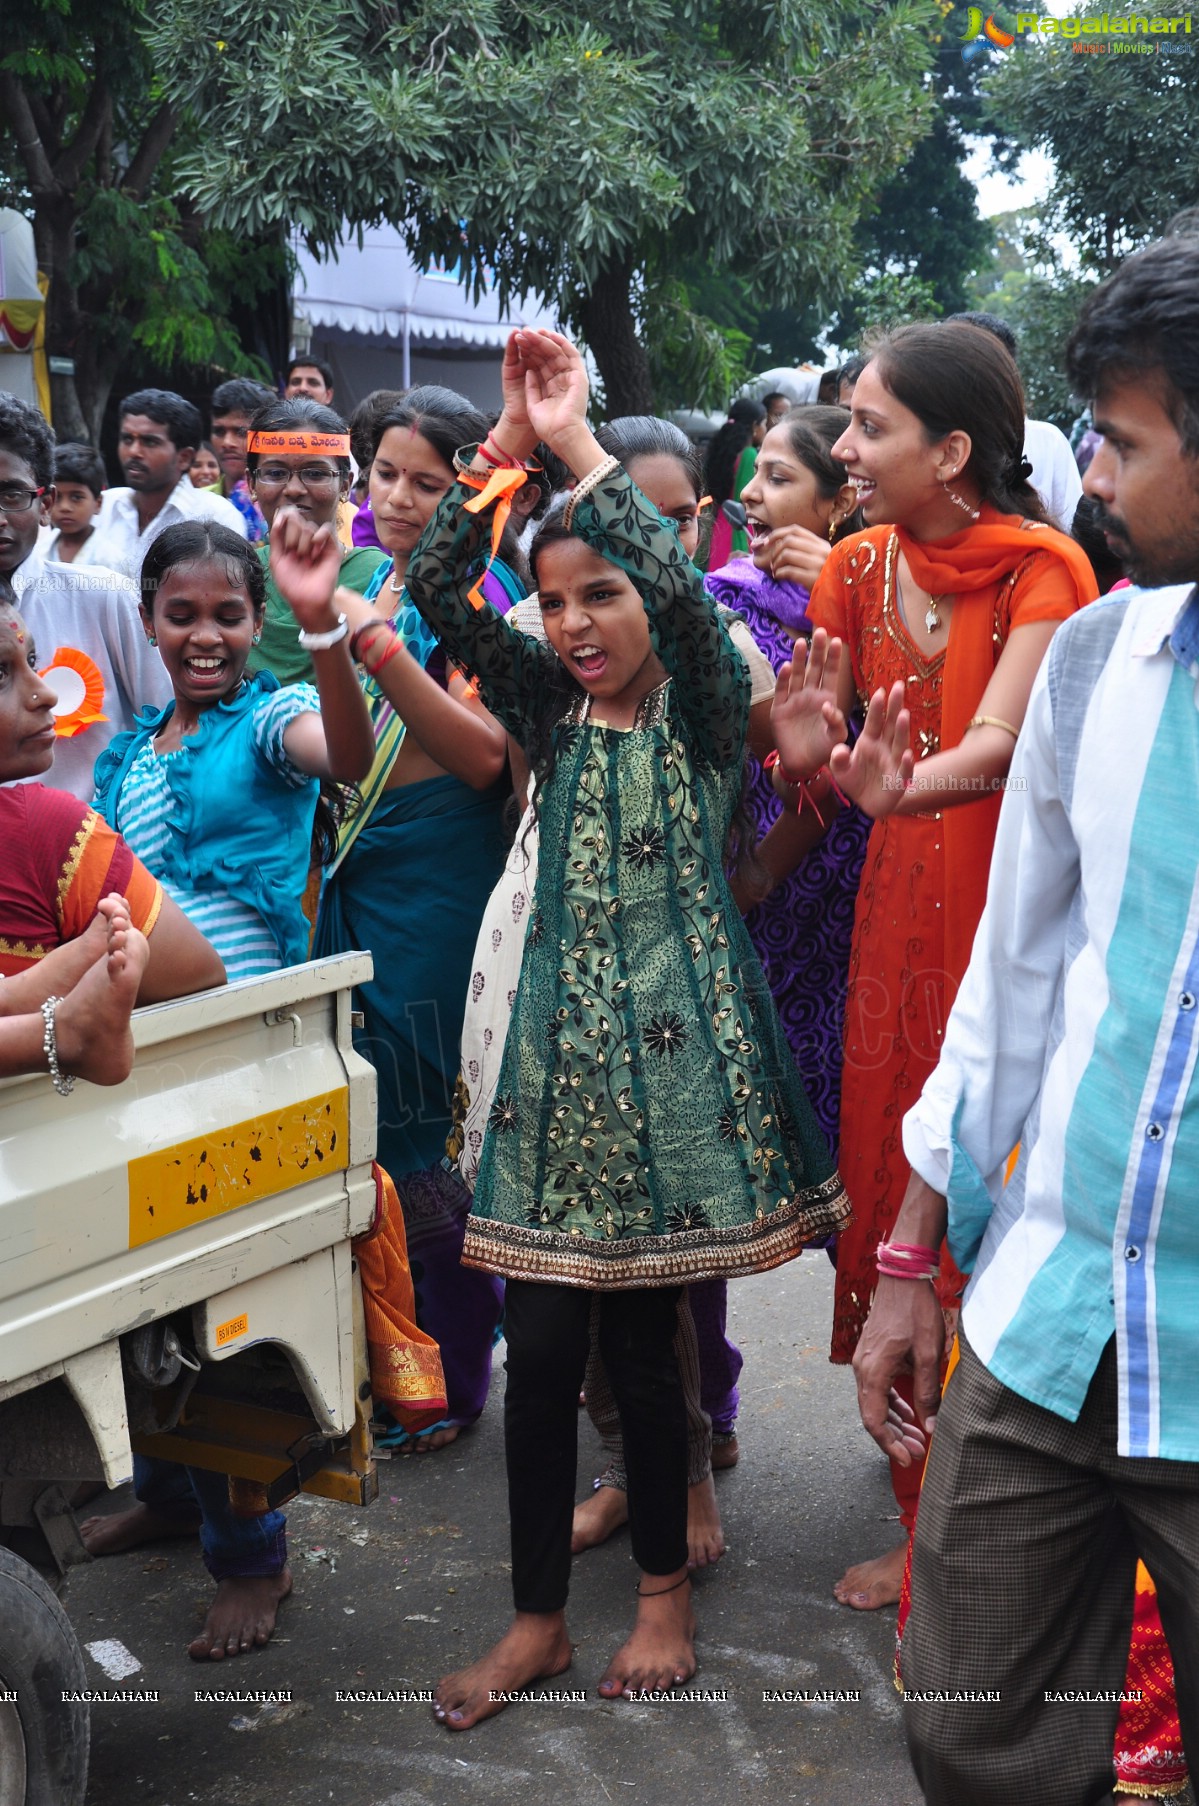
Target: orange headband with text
329, 445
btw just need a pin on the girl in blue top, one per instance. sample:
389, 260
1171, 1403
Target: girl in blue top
219, 792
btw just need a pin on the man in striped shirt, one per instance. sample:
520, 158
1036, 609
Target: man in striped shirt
1067, 1443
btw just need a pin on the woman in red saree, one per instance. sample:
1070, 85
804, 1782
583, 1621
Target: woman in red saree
943, 616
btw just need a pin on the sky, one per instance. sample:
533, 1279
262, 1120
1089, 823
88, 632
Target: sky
999, 194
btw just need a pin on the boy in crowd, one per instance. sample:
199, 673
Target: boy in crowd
79, 482
234, 404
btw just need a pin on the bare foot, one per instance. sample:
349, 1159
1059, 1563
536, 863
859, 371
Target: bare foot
870, 1584
91, 1024
598, 1518
241, 1617
121, 1530
705, 1538
535, 1646
726, 1453
430, 1441
661, 1651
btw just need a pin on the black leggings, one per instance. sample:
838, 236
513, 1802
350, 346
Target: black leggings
546, 1327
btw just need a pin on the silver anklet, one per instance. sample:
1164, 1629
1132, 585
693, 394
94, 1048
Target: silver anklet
64, 1084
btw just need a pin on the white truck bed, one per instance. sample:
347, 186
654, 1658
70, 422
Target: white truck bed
226, 1174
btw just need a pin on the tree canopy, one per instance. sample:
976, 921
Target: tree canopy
569, 156
161, 144
1121, 134
87, 148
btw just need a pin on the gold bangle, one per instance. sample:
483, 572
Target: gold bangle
993, 721
585, 485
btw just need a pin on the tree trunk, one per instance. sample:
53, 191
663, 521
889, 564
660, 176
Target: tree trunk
606, 317
54, 233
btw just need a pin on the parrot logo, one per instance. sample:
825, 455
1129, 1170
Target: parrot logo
980, 34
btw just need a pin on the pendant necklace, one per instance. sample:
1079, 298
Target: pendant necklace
932, 619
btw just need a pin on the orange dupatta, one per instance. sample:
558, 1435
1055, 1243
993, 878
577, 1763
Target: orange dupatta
964, 566
405, 1363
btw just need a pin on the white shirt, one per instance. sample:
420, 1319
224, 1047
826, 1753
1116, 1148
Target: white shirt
118, 541
1055, 474
93, 649
1076, 1034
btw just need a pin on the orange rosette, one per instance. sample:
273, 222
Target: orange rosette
80, 686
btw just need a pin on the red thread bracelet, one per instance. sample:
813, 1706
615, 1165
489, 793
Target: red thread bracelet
774, 762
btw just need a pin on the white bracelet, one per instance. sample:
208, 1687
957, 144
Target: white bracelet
585, 485
321, 642
64, 1084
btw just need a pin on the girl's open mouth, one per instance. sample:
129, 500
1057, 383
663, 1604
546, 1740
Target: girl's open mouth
206, 670
589, 661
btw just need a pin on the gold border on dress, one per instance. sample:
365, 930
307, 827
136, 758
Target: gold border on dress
515, 1251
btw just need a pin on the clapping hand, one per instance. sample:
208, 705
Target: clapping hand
306, 566
877, 772
805, 716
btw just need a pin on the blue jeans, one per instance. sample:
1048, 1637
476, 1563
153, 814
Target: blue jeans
234, 1547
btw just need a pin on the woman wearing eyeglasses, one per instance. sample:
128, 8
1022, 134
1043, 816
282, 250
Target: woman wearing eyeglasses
314, 484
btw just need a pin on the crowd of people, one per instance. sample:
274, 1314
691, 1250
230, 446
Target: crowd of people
783, 854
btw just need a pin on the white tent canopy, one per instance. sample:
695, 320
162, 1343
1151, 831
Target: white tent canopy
382, 324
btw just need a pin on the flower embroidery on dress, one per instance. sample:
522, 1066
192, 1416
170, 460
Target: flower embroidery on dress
502, 1119
665, 1034
646, 847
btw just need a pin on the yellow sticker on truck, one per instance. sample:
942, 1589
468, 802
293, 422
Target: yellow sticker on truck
194, 1181
229, 1332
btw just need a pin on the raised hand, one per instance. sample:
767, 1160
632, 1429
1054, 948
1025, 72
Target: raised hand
513, 432
792, 555
805, 715
306, 566
556, 386
877, 772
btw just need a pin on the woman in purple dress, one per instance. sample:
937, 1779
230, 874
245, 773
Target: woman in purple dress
799, 501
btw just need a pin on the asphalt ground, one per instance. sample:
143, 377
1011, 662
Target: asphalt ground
392, 1597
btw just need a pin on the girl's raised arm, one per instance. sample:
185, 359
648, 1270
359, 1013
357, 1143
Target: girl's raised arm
339, 743
617, 522
510, 668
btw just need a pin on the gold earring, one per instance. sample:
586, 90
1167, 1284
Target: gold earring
833, 524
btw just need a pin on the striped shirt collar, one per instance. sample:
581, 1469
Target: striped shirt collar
1169, 615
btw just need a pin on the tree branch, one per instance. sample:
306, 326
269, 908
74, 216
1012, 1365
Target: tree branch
46, 121
98, 110
150, 152
15, 102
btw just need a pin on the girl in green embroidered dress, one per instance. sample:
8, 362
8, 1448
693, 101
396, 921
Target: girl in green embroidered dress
649, 1128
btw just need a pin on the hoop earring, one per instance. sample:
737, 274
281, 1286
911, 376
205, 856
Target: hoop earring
959, 501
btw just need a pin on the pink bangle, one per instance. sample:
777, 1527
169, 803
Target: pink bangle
907, 1260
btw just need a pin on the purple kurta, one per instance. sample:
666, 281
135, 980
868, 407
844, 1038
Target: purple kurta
803, 929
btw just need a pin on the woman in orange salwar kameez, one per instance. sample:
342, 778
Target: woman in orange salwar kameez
947, 612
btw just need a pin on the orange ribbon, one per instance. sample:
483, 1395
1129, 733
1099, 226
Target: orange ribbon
331, 445
499, 488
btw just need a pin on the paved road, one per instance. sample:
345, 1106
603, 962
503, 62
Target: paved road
393, 1596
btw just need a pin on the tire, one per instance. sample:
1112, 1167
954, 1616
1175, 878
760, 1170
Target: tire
41, 1733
